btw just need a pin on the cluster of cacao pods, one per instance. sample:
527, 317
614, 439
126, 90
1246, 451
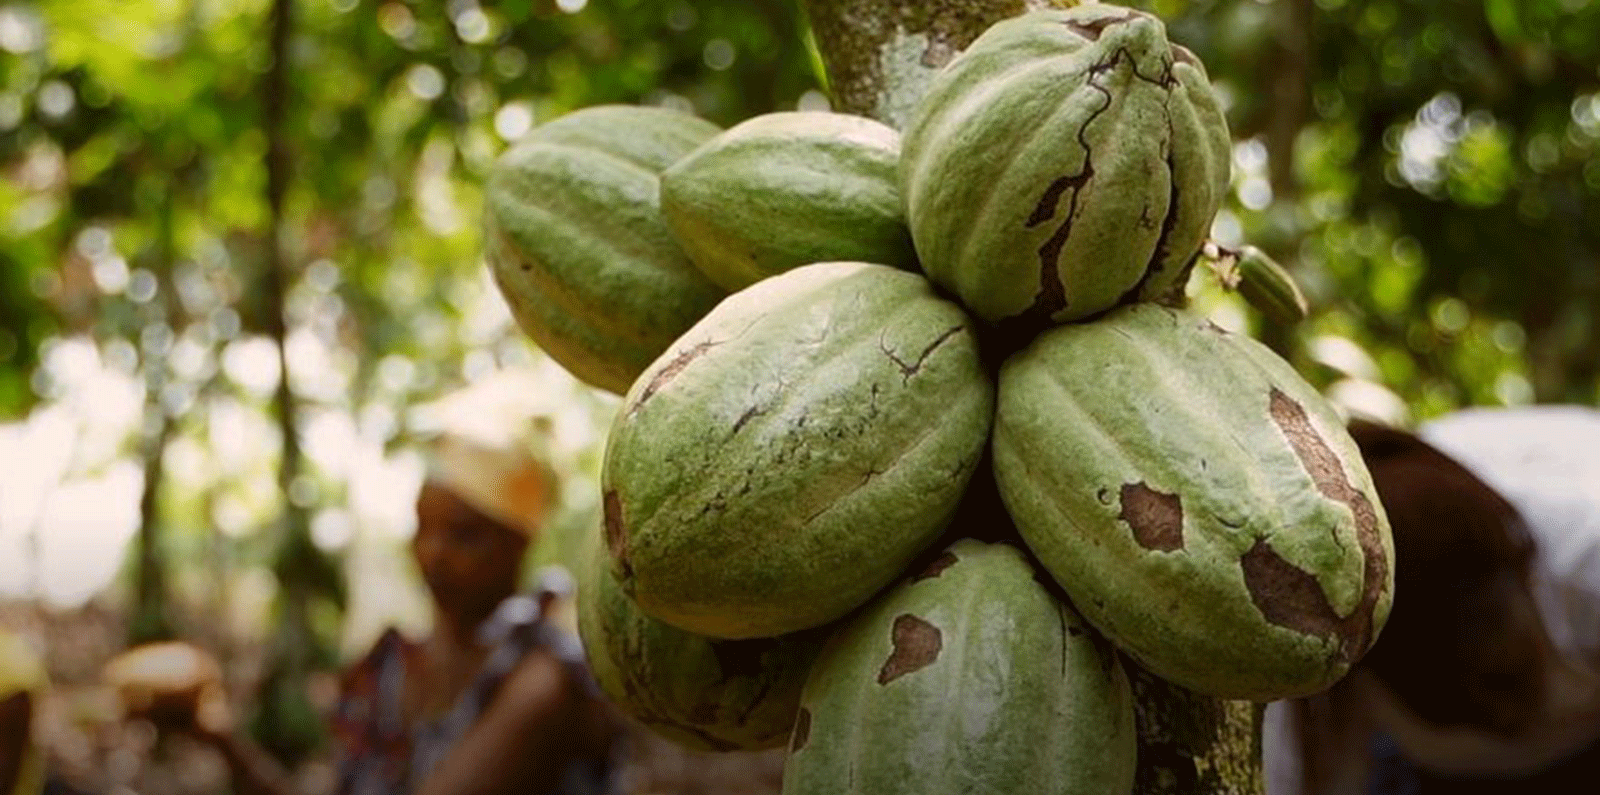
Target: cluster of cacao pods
831, 336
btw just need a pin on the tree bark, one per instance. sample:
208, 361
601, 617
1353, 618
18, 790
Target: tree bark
880, 56
151, 620
1291, 92
286, 722
1291, 107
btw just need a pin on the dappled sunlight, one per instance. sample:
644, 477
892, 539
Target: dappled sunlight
63, 531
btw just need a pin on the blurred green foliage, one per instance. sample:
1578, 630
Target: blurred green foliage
134, 214
1432, 170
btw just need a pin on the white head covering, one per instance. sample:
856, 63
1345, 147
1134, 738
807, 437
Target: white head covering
502, 481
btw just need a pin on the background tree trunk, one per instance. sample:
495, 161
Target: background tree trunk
286, 722
1290, 86
150, 619
880, 55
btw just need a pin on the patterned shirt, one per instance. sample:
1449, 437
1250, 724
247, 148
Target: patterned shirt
381, 755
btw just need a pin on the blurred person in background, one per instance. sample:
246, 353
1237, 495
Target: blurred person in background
22, 683
496, 698
1486, 678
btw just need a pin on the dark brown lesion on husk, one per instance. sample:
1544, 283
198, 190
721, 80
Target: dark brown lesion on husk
802, 730
1183, 55
748, 415
1286, 594
915, 645
1161, 254
936, 567
1155, 517
909, 369
617, 538
1052, 295
1092, 29
671, 370
1291, 597
1052, 298
16, 737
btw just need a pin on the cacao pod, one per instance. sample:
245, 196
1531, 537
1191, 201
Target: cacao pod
703, 693
577, 245
22, 690
968, 677
1203, 506
789, 455
787, 189
1270, 288
1067, 162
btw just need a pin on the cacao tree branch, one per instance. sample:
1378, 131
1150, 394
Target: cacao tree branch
880, 56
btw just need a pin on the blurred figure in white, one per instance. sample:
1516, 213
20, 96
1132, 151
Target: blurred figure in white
1486, 678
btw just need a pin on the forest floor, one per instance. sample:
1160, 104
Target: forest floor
91, 748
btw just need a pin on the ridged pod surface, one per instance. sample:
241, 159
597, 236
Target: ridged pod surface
703, 693
22, 686
1067, 162
792, 452
576, 241
782, 190
968, 677
1202, 504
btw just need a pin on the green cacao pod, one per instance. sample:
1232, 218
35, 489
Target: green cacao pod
1270, 288
783, 190
791, 454
703, 693
1067, 162
969, 677
22, 687
576, 241
1203, 506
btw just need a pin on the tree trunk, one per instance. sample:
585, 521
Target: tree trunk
151, 620
880, 56
1291, 92
1291, 106
286, 722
